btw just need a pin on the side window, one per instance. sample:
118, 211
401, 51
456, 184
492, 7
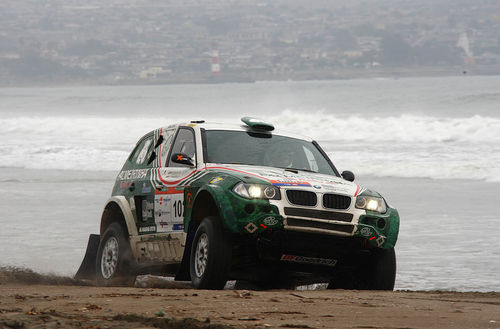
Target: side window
184, 143
142, 152
168, 137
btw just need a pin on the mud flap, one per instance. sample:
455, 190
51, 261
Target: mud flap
87, 269
183, 273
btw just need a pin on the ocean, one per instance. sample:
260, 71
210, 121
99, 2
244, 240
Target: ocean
431, 146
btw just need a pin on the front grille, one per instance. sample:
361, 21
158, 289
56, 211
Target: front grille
336, 201
319, 214
302, 198
304, 223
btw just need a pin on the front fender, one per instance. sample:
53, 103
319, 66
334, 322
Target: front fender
219, 200
238, 215
382, 236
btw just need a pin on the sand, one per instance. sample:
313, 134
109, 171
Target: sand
62, 304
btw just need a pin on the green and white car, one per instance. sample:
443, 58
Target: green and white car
216, 202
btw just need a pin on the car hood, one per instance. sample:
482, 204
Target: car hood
291, 179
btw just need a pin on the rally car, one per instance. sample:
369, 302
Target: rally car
211, 202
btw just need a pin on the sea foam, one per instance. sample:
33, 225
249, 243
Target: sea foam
403, 128
407, 145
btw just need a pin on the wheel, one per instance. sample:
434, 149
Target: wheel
382, 270
379, 273
210, 259
347, 279
115, 263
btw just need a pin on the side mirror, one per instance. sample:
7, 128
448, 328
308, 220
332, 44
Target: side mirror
182, 159
348, 175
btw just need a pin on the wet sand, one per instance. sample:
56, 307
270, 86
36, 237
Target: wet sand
62, 306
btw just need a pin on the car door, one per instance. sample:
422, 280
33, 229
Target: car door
161, 237
173, 177
141, 187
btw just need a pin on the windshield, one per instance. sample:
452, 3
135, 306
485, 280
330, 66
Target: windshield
261, 149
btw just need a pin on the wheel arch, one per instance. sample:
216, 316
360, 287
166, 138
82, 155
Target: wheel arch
204, 205
117, 209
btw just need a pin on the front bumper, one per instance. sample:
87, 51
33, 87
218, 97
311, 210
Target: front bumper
258, 216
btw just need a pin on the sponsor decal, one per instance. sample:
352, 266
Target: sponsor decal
162, 200
337, 189
251, 227
215, 180
133, 174
281, 183
309, 260
178, 227
165, 227
365, 231
270, 221
145, 189
332, 182
159, 214
162, 207
175, 173
126, 184
168, 210
147, 229
147, 210
329, 187
380, 241
189, 199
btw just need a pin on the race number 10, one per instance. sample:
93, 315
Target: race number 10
177, 209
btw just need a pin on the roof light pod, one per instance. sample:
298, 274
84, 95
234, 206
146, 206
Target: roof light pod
257, 124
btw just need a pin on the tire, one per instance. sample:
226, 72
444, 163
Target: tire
115, 264
210, 259
382, 271
379, 273
349, 280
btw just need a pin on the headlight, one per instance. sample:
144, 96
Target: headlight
257, 191
371, 203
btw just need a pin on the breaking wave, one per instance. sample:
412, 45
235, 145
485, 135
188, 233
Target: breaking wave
399, 146
404, 128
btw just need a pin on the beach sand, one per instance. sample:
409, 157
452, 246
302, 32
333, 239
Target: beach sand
57, 306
